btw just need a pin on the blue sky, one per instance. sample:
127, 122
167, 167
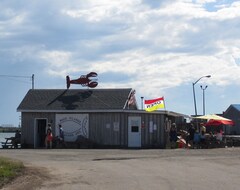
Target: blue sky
159, 48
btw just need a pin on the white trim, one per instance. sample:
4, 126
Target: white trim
169, 113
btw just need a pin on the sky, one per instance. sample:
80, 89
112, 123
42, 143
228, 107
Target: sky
159, 48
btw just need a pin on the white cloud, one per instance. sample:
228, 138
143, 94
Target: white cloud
96, 11
58, 62
229, 12
205, 1
156, 46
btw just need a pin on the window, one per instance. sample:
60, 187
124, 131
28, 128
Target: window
135, 129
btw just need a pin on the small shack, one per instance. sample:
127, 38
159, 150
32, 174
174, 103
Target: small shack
233, 113
107, 117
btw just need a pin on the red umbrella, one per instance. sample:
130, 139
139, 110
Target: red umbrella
213, 122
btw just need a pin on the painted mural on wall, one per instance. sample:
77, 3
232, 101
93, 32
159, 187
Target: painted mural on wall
73, 125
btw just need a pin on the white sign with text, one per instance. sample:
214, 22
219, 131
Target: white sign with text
73, 125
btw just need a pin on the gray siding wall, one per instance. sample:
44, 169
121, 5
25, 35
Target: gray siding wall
102, 131
153, 137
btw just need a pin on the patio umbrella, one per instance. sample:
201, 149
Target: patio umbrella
213, 122
213, 117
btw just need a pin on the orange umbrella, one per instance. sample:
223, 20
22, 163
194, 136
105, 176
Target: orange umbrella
213, 122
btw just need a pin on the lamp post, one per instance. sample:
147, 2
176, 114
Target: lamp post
203, 89
194, 97
142, 101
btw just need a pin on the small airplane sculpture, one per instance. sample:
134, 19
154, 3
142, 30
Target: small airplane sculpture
84, 80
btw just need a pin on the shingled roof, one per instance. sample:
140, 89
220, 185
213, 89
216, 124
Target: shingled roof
74, 99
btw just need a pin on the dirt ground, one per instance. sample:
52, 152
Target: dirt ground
110, 169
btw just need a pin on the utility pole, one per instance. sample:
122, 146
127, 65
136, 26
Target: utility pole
142, 102
32, 81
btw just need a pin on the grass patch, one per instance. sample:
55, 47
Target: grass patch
9, 169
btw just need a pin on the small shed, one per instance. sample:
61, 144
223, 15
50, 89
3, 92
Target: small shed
233, 113
107, 117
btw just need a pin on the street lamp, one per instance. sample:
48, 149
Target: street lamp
142, 101
203, 89
194, 97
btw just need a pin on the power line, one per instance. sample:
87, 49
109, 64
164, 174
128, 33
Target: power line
16, 76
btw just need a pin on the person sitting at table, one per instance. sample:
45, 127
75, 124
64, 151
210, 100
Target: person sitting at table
211, 136
196, 139
16, 139
202, 139
219, 136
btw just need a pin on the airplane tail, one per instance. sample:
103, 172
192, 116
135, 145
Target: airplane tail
68, 81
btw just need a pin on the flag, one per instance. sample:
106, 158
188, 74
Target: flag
154, 104
132, 99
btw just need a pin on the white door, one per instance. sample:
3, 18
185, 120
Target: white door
134, 131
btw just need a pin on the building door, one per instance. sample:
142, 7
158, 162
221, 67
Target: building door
40, 133
134, 131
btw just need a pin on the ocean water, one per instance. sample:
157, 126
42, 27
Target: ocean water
5, 135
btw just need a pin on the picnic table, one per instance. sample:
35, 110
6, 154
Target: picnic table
232, 140
10, 143
227, 141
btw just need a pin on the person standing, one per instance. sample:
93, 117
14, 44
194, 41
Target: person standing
61, 133
190, 137
203, 128
173, 136
49, 138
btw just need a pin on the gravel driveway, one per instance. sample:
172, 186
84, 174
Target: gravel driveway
110, 169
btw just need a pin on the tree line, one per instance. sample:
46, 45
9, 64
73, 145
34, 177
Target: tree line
8, 129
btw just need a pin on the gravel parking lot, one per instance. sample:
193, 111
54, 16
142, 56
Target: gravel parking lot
110, 169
